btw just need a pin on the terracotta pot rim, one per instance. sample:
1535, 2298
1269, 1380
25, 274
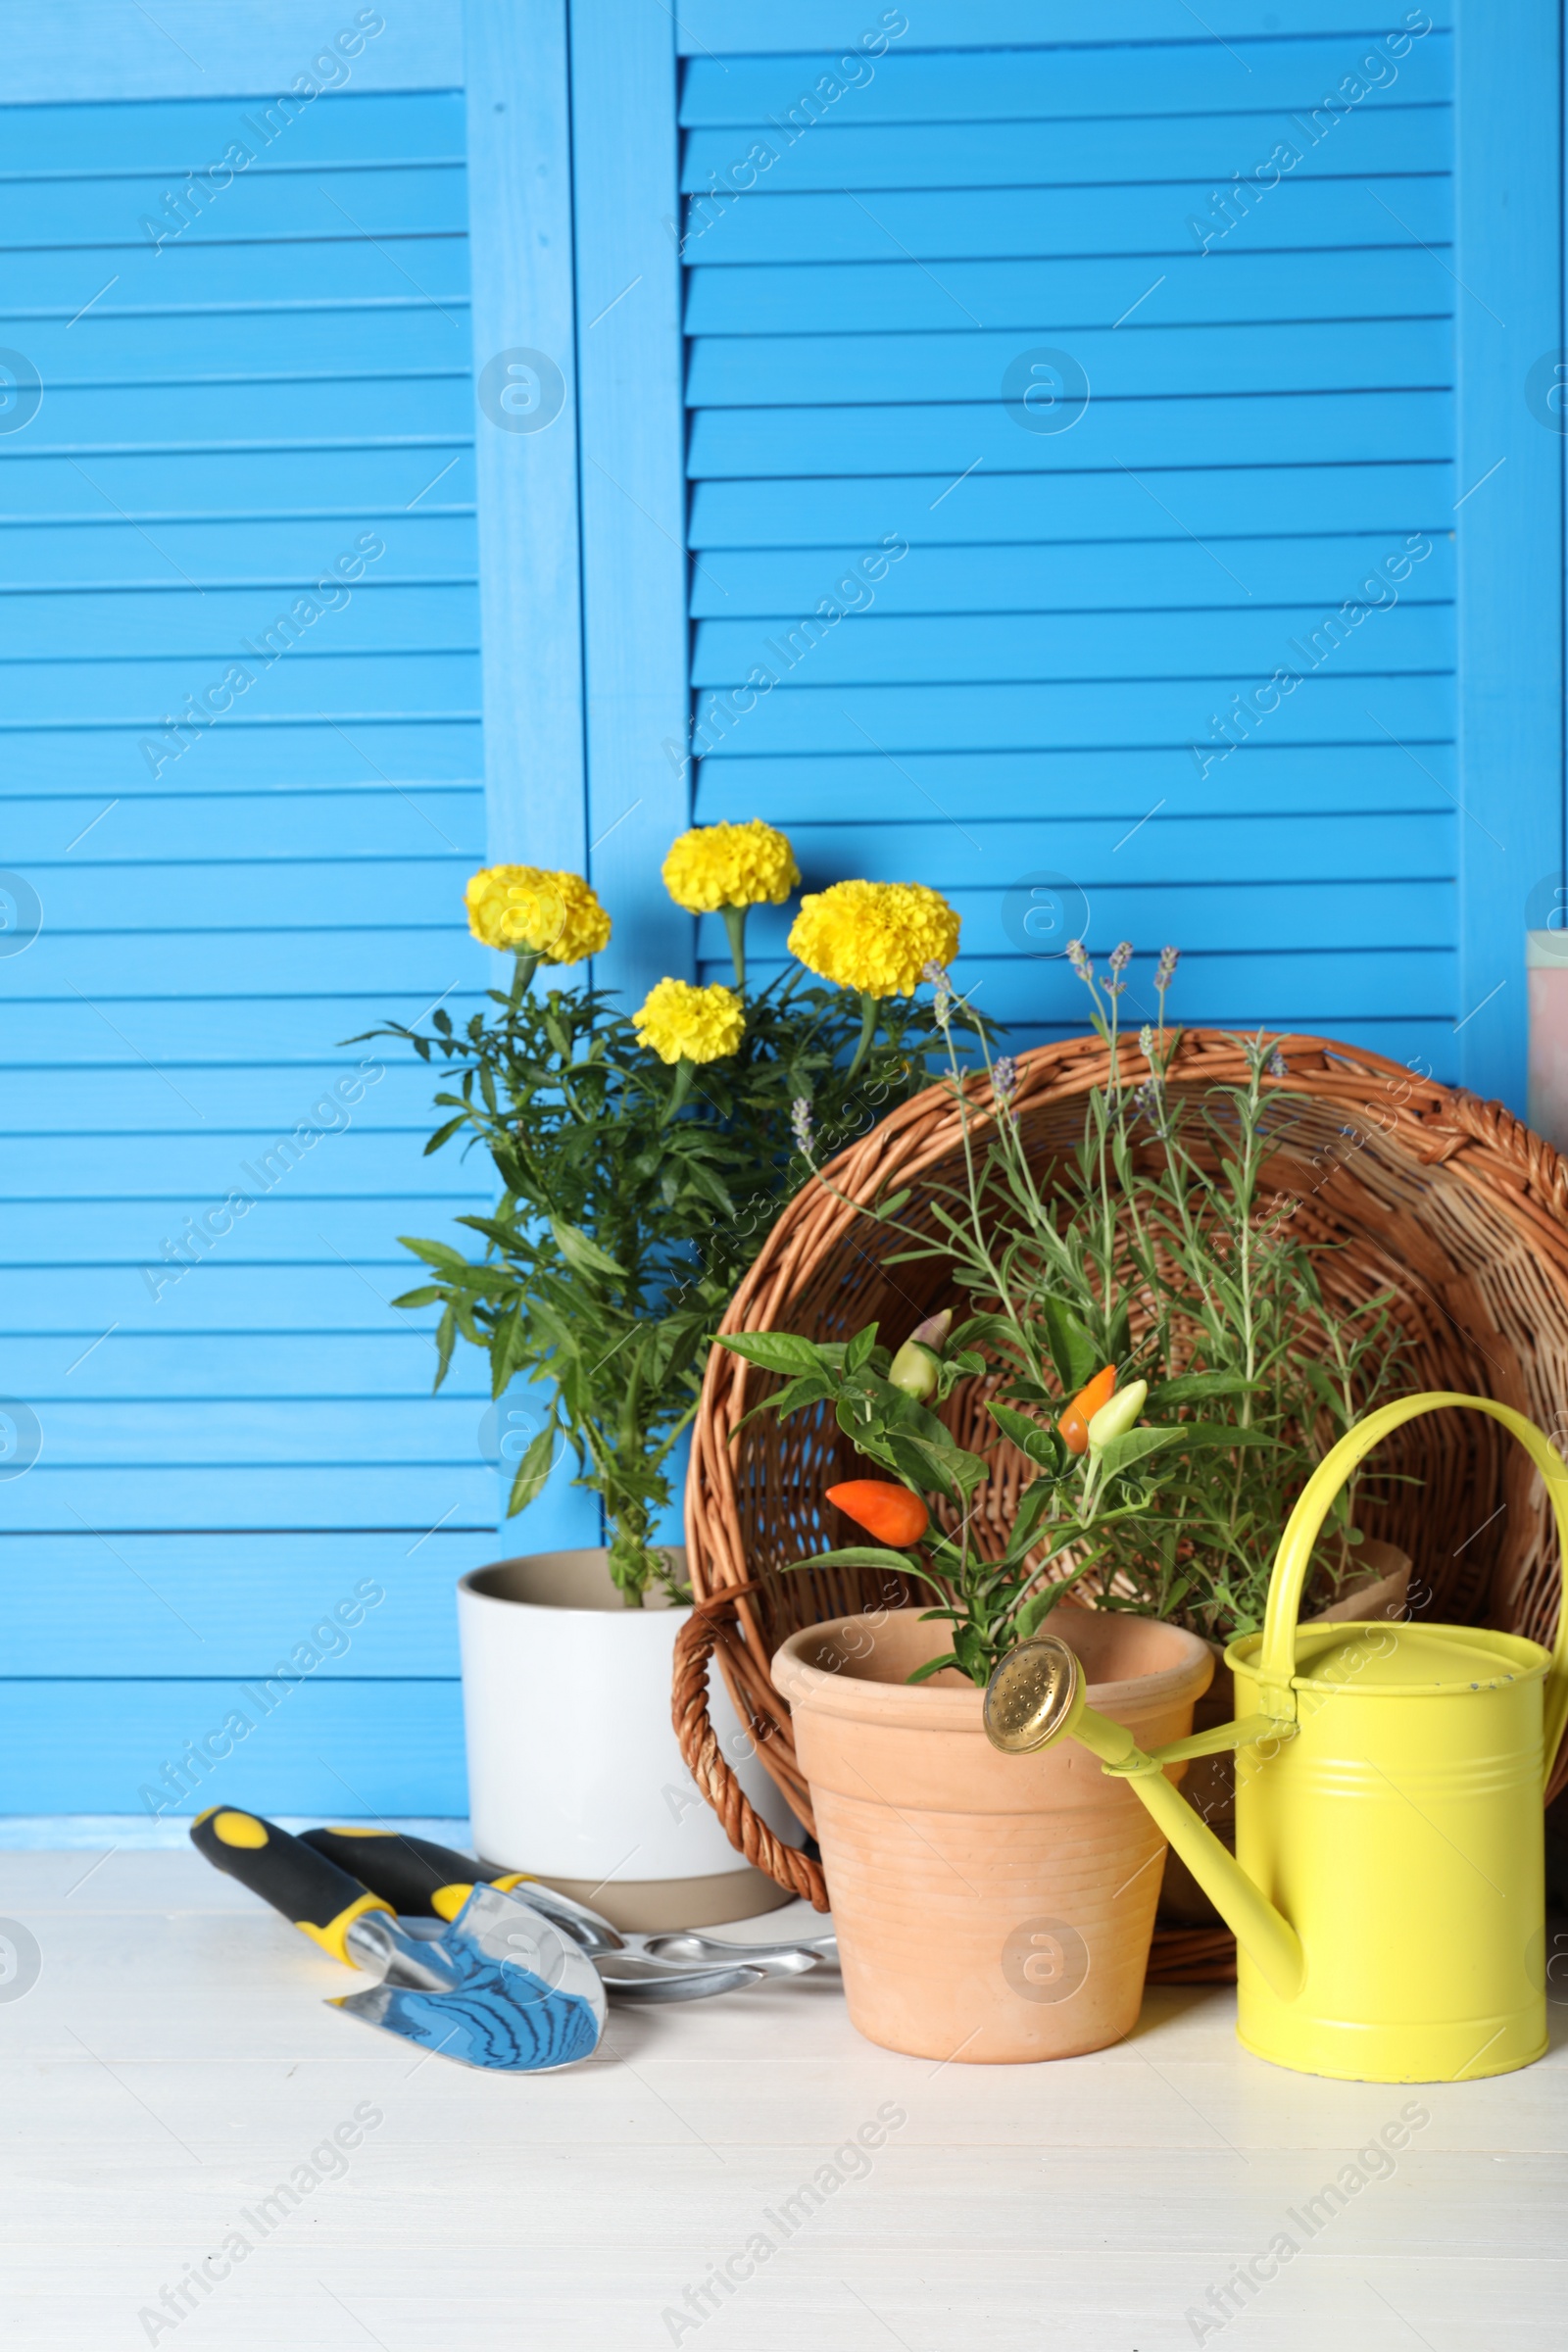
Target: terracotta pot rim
928, 1707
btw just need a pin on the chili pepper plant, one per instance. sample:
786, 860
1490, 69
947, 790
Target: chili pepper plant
1155, 1340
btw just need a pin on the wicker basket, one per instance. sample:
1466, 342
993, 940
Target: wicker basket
1445, 1202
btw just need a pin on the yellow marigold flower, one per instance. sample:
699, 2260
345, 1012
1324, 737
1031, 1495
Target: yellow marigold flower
683, 1023
730, 865
876, 937
555, 916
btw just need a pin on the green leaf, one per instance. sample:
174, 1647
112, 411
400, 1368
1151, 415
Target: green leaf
971, 1645
1192, 1387
533, 1470
1189, 1436
778, 1351
446, 1339
1037, 1495
1074, 1352
583, 1256
1032, 1616
859, 1556
1135, 1446
985, 1327
808, 1388
1042, 1446
859, 1350
923, 1674
946, 1469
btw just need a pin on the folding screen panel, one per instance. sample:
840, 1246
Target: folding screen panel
243, 786
1104, 429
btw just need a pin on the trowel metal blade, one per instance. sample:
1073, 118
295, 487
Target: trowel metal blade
500, 1987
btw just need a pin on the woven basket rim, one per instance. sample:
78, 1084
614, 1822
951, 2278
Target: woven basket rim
1433, 1133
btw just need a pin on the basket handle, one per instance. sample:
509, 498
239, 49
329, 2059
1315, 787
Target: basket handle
1277, 1656
708, 1767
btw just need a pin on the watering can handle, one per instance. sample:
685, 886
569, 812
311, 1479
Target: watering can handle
1277, 1656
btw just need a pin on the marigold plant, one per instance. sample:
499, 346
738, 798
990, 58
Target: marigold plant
641, 1164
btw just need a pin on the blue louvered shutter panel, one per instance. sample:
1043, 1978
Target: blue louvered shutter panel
243, 786
1072, 452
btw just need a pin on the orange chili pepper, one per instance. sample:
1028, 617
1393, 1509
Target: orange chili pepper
1074, 1422
890, 1513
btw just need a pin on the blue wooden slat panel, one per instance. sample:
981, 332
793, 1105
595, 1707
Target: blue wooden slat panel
1163, 849
108, 138
341, 1363
1048, 786
1041, 624
756, 370
947, 439
828, 27
1395, 137
1261, 915
344, 270
1069, 576
253, 1030
1228, 284
336, 484
261, 551
213, 620
202, 1184
1176, 73
155, 1606
144, 1097
330, 1744
128, 1232
406, 822
1014, 647
1323, 710
1316, 993
259, 204
101, 52
385, 747
181, 1492
315, 1292
953, 223
1181, 503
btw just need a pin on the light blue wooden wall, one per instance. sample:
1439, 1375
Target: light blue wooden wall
766, 375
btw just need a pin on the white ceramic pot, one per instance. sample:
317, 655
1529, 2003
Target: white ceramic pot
575, 1772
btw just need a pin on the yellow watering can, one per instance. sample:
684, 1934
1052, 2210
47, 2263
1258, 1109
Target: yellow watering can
1387, 1889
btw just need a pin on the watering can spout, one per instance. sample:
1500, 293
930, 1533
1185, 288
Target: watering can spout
1036, 1697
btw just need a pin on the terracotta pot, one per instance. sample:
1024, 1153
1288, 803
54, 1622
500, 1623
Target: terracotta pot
1210, 1784
989, 1908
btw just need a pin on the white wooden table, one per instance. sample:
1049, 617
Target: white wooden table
174, 2064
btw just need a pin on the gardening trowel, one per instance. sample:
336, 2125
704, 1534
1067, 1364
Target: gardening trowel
426, 1880
498, 1986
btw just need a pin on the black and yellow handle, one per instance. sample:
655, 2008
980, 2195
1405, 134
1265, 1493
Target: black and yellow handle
419, 1878
322, 1898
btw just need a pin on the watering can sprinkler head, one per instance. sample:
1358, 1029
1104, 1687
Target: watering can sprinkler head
1037, 1697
